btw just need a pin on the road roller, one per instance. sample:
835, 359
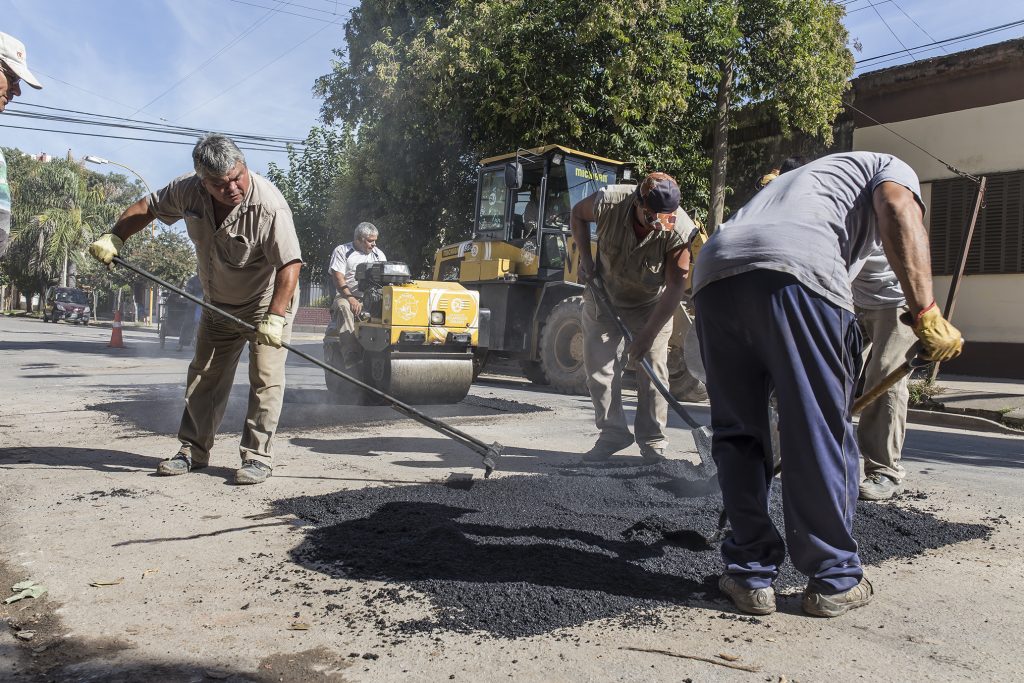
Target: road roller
413, 339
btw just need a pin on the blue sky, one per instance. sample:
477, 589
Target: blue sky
115, 57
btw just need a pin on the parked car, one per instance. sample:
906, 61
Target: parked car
67, 304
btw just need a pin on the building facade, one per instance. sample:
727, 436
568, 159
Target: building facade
966, 109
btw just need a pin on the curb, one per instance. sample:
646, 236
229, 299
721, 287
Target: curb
937, 418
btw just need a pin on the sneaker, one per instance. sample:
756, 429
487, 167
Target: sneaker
821, 605
880, 487
652, 454
252, 472
606, 448
759, 601
181, 463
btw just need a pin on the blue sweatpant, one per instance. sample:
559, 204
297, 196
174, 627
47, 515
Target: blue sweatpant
762, 329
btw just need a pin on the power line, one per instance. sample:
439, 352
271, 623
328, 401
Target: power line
249, 146
259, 22
262, 68
922, 29
948, 41
874, 7
294, 14
314, 9
953, 169
148, 125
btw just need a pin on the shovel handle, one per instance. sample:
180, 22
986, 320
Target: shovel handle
888, 382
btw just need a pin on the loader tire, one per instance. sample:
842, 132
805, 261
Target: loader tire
479, 362
561, 347
533, 371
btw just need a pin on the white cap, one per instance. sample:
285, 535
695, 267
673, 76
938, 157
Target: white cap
12, 53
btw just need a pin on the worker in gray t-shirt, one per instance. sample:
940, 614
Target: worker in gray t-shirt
775, 309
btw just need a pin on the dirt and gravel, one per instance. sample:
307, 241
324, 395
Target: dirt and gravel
377, 552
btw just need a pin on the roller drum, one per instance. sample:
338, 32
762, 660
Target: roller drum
420, 378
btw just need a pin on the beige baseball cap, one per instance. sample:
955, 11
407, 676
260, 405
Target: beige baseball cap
12, 53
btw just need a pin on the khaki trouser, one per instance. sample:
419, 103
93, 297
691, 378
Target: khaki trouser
602, 357
883, 424
219, 345
345, 323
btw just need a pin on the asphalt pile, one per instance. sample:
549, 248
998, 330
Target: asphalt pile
524, 555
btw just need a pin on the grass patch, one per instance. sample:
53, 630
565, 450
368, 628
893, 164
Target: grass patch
924, 391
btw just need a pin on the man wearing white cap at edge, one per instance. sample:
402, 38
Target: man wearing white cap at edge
13, 70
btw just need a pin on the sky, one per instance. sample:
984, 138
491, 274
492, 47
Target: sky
249, 66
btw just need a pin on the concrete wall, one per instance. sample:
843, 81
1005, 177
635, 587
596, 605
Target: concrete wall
981, 140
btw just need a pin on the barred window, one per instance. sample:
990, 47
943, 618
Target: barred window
998, 243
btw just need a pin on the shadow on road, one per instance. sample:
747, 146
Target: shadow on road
157, 409
99, 459
448, 454
971, 448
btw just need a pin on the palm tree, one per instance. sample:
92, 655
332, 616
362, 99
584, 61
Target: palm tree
60, 215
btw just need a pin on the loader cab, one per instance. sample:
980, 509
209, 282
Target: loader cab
522, 259
525, 199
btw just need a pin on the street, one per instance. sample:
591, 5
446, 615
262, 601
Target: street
376, 551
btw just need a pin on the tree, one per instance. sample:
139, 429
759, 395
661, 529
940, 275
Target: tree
58, 208
430, 88
788, 54
308, 185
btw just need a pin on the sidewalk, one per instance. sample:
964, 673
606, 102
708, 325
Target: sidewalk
978, 403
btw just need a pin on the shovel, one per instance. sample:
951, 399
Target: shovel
701, 433
489, 453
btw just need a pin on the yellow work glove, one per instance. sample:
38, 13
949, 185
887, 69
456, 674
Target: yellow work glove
270, 330
939, 339
106, 247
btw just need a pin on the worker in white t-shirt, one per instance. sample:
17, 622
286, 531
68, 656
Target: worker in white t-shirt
348, 302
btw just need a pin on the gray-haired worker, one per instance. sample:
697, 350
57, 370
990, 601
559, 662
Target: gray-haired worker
349, 301
249, 265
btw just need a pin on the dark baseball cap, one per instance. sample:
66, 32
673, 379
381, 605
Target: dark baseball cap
659, 194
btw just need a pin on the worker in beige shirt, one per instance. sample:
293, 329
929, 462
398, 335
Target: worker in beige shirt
643, 258
249, 263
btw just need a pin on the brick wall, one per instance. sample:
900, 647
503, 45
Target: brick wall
313, 316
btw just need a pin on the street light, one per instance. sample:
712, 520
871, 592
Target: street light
100, 160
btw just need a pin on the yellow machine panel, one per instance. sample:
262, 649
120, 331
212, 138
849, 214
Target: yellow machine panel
409, 307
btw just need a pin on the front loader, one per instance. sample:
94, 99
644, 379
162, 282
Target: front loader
523, 262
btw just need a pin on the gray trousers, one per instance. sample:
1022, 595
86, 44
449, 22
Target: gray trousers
345, 323
883, 424
602, 357
219, 345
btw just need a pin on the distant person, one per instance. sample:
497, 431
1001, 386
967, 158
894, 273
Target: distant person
249, 265
192, 314
642, 260
348, 303
13, 70
775, 309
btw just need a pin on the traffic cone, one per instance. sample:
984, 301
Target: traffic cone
116, 342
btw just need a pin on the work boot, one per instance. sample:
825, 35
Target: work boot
822, 605
652, 454
181, 463
880, 487
252, 472
759, 601
606, 448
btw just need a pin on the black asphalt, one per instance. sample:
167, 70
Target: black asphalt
525, 555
